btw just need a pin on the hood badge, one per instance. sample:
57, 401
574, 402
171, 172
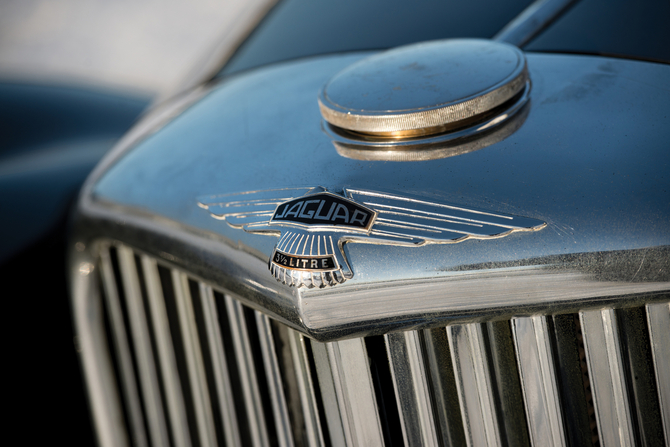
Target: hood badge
314, 224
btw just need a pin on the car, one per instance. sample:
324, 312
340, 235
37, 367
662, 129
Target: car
391, 224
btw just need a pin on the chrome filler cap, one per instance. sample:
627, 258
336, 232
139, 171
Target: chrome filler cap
425, 88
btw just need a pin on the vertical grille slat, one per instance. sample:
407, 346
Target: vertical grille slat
141, 337
194, 361
167, 361
313, 432
508, 391
411, 388
637, 359
473, 382
658, 320
447, 408
349, 395
247, 374
123, 353
540, 388
223, 389
571, 380
275, 387
606, 373
196, 367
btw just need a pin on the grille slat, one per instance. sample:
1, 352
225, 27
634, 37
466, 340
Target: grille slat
123, 353
637, 358
540, 388
144, 353
508, 392
349, 395
194, 360
443, 385
574, 402
166, 355
273, 374
228, 375
411, 388
658, 320
606, 373
247, 372
222, 388
313, 431
473, 382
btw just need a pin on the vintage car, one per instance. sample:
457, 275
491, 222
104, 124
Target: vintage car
390, 223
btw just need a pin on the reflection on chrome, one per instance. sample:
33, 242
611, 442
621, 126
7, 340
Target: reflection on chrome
444, 146
449, 144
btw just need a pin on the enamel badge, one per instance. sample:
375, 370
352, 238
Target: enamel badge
314, 224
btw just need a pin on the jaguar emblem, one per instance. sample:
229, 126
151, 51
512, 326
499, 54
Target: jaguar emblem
314, 224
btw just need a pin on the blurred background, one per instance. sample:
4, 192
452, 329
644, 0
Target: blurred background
141, 46
74, 77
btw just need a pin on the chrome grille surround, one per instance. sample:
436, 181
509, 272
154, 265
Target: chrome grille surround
336, 398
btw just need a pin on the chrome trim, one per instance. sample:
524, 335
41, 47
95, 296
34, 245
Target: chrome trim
306, 389
166, 356
565, 265
658, 319
538, 380
487, 133
410, 382
606, 374
100, 384
532, 21
224, 391
247, 372
513, 290
346, 384
326, 381
122, 349
275, 388
351, 406
194, 362
144, 353
443, 384
473, 382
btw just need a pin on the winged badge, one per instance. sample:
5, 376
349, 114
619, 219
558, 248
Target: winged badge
313, 224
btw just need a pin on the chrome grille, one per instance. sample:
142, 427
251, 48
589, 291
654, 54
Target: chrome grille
196, 367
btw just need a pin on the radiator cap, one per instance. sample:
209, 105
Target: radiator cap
425, 88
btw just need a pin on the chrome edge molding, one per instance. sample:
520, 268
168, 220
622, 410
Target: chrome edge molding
88, 322
552, 285
532, 21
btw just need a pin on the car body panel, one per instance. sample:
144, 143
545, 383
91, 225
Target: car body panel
590, 159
